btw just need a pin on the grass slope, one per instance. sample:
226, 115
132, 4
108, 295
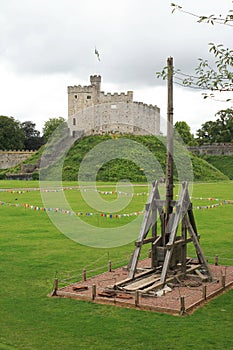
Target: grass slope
118, 169
222, 163
33, 250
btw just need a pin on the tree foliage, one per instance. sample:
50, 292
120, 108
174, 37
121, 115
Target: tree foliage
217, 131
182, 129
51, 125
11, 135
33, 140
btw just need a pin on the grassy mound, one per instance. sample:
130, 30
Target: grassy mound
122, 168
222, 163
117, 169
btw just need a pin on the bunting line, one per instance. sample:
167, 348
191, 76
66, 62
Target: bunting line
70, 212
78, 189
105, 215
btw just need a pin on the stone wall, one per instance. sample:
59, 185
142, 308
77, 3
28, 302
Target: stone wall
214, 149
10, 159
94, 112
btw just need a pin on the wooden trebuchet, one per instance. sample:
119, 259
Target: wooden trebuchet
168, 249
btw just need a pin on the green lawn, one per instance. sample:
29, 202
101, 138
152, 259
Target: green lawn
33, 251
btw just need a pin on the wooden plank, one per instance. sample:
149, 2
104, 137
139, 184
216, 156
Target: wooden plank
157, 241
160, 203
145, 241
170, 279
137, 285
174, 229
199, 252
154, 230
140, 275
180, 241
143, 231
199, 274
184, 246
192, 219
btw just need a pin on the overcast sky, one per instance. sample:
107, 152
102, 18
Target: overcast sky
46, 45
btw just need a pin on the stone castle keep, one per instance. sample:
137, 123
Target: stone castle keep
91, 111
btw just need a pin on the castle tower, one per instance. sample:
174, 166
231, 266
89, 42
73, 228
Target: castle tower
96, 81
95, 112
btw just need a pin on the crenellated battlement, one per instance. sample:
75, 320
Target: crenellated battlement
116, 97
80, 89
94, 78
119, 94
145, 105
17, 152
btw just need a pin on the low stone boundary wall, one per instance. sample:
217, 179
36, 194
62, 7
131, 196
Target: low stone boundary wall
9, 159
214, 149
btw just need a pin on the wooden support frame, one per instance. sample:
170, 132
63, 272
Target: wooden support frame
176, 247
149, 220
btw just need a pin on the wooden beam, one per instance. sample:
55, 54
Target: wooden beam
145, 241
199, 252
144, 230
184, 246
180, 241
179, 210
139, 276
170, 279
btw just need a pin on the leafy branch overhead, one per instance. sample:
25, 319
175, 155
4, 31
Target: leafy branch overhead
217, 78
212, 19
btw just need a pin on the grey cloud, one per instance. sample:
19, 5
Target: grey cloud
134, 38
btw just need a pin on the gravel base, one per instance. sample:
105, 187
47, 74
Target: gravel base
183, 298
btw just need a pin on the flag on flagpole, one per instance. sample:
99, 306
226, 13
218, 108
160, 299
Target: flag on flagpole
97, 53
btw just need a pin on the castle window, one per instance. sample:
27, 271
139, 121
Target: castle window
76, 96
88, 97
74, 121
73, 133
113, 107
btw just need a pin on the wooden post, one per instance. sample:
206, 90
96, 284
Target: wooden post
182, 305
204, 292
93, 292
184, 246
223, 281
130, 262
170, 132
137, 298
154, 232
84, 275
216, 260
109, 266
55, 288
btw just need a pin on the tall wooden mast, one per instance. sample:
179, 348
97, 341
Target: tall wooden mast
169, 160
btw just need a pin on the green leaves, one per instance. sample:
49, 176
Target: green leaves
217, 131
218, 77
11, 135
51, 125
